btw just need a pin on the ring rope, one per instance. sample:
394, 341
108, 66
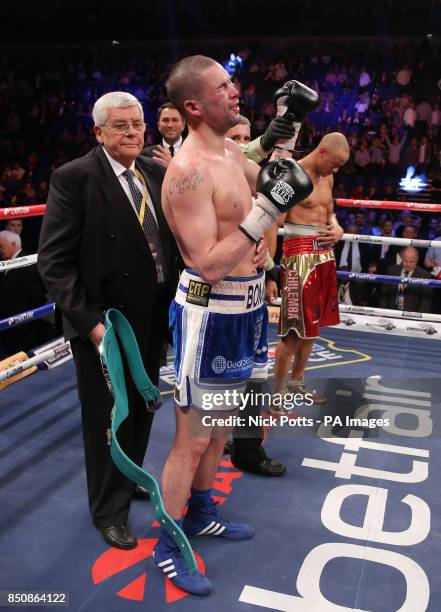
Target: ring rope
391, 280
18, 262
388, 312
29, 260
22, 211
436, 244
38, 209
391, 240
28, 315
24, 365
388, 204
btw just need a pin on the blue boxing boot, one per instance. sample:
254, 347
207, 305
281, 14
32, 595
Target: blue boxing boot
202, 519
168, 557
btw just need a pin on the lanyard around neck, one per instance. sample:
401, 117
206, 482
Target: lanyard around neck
144, 196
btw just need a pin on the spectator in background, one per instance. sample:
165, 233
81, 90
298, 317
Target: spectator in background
405, 218
432, 263
371, 221
424, 156
377, 229
423, 118
435, 120
390, 193
432, 231
357, 192
362, 159
171, 125
25, 231
361, 105
352, 257
413, 298
403, 77
241, 132
364, 79
360, 219
14, 225
21, 289
433, 255
377, 152
373, 191
410, 155
395, 147
340, 190
409, 119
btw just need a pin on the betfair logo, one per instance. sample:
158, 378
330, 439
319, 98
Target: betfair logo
198, 293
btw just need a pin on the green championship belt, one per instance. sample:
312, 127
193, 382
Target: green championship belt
119, 335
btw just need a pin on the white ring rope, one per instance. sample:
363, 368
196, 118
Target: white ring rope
436, 244
24, 365
388, 312
29, 260
18, 262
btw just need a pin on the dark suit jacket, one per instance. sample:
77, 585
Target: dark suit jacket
148, 151
93, 253
416, 298
365, 254
357, 290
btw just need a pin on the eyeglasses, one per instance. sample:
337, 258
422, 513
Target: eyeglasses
122, 127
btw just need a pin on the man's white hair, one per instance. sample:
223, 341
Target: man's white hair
114, 99
11, 238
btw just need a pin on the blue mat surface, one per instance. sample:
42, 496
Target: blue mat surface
355, 522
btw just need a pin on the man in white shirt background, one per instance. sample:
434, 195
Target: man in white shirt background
170, 125
352, 257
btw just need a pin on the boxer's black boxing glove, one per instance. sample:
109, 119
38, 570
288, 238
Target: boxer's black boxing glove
281, 184
279, 127
296, 98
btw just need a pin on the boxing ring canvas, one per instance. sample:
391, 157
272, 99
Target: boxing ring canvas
354, 524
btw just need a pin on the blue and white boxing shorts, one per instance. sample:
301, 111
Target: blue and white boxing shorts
220, 338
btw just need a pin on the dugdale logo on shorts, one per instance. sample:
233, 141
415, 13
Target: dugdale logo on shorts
219, 364
282, 192
198, 293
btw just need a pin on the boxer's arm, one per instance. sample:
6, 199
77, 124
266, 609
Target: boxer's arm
251, 171
334, 231
251, 168
189, 189
271, 235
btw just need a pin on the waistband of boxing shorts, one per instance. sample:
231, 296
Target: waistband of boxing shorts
301, 245
232, 295
298, 229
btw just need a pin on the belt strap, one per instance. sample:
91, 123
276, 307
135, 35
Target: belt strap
118, 334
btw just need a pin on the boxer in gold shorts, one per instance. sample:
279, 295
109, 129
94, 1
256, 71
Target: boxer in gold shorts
308, 276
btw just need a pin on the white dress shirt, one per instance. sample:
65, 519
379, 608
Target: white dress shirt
118, 170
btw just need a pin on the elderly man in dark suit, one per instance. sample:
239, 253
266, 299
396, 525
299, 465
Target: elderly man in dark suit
413, 298
105, 243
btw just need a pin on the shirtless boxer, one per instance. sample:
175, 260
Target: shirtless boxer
218, 317
308, 273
